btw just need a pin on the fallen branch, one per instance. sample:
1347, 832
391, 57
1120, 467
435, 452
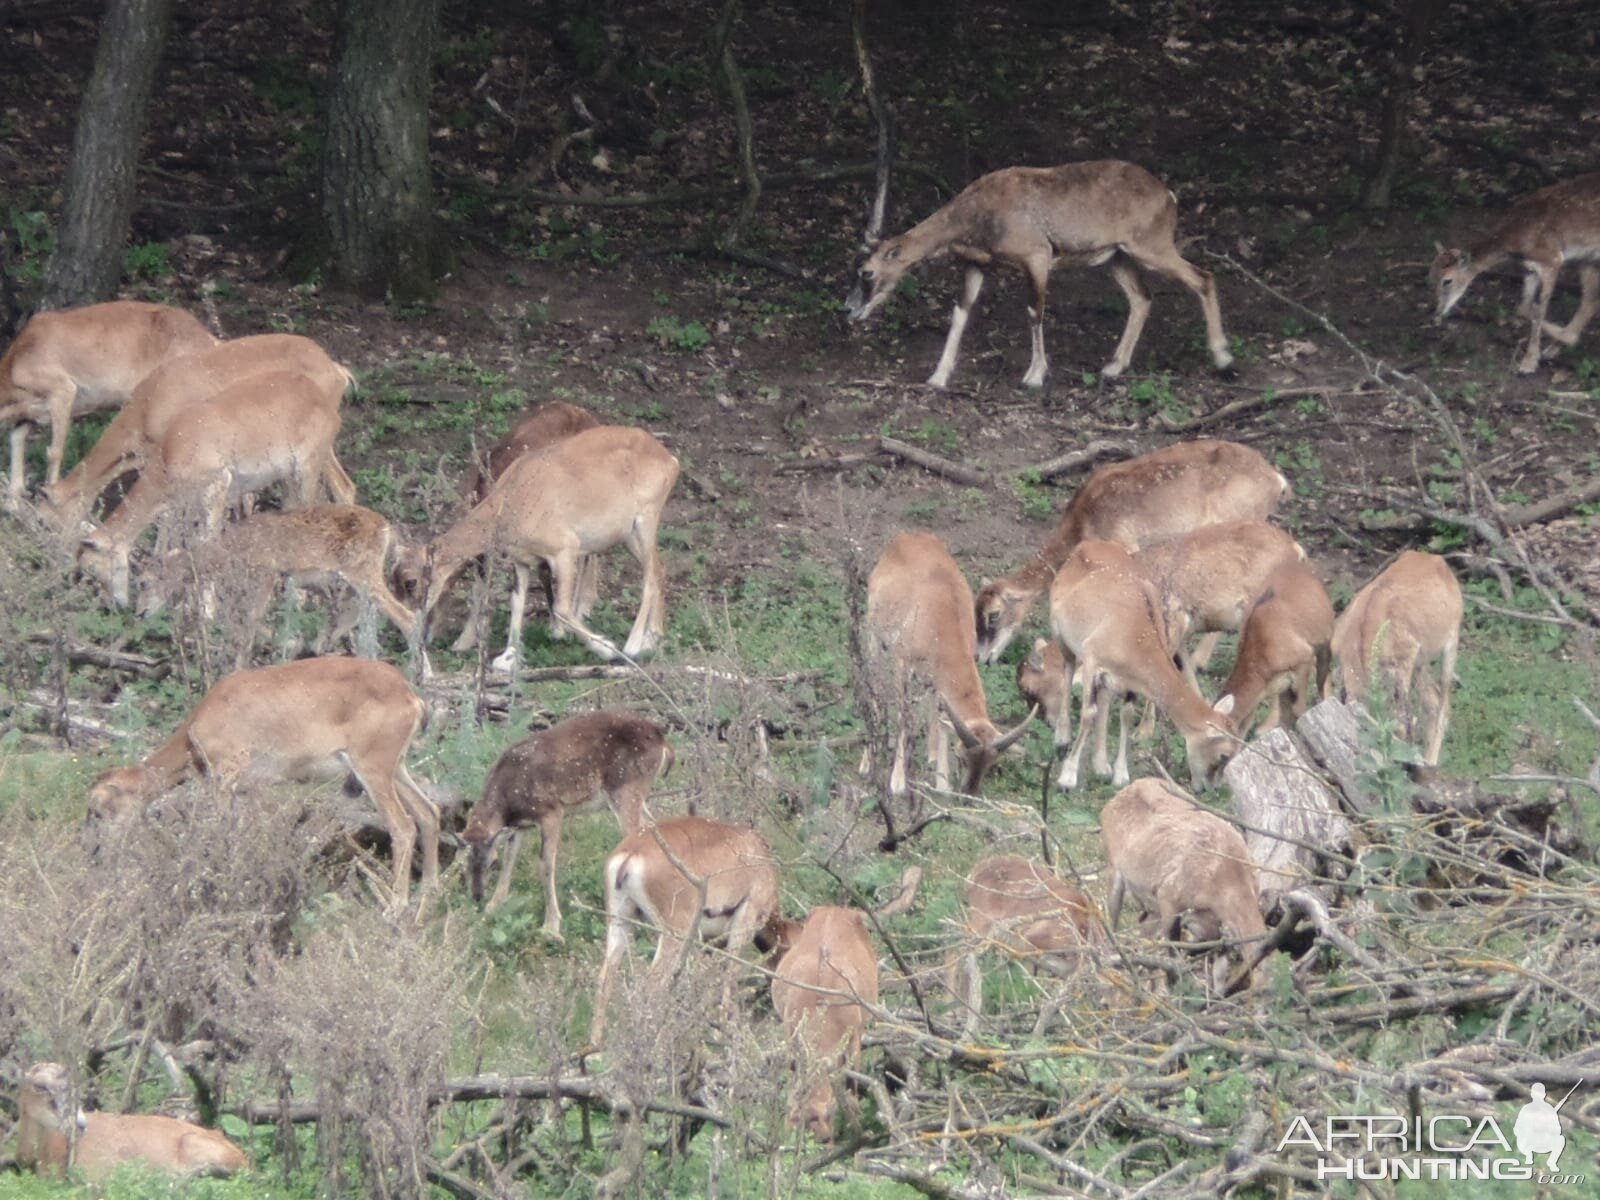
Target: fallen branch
1063, 464
749, 258
917, 1181
1315, 913
82, 654
774, 182
1517, 614
1384, 1011
74, 717
1281, 933
843, 462
456, 1184
1418, 517
1555, 506
894, 447
700, 484
1244, 404
1065, 1166
936, 463
582, 1089
892, 841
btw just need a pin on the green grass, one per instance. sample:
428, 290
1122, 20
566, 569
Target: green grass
1513, 707
133, 1183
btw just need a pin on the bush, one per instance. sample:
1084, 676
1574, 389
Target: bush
155, 931
364, 1012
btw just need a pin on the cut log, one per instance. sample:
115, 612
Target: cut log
1333, 731
1291, 817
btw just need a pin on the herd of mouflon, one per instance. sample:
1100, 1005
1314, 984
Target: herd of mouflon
1153, 558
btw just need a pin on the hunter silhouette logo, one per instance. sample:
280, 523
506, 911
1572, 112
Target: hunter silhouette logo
1436, 1146
1538, 1127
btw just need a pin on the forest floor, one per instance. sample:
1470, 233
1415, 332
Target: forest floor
1394, 433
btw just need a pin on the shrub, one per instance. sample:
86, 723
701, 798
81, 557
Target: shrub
363, 1013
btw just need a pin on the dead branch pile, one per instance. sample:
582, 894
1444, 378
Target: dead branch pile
1428, 973
1437, 961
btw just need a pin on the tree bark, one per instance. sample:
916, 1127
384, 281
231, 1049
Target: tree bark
744, 126
1277, 791
98, 210
377, 200
1332, 732
1397, 95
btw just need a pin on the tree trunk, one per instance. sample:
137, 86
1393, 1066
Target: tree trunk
744, 127
377, 198
98, 211
1332, 730
1397, 102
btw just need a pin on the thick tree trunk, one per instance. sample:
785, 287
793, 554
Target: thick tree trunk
1288, 812
98, 210
377, 191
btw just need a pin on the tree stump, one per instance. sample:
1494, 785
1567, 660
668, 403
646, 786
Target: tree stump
1332, 731
1291, 815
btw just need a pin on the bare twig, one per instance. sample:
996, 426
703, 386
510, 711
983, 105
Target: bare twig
83, 654
882, 118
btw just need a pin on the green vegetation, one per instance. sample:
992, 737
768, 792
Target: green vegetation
687, 337
1038, 499
147, 262
1156, 392
35, 239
